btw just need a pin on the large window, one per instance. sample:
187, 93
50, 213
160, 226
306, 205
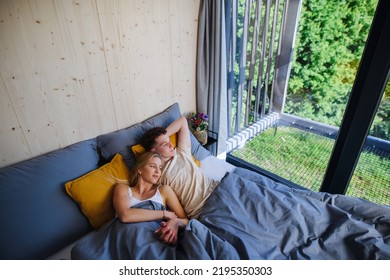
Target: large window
330, 41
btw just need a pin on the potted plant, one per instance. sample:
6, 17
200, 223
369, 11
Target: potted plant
199, 123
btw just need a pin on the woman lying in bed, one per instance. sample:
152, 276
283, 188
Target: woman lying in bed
143, 187
144, 229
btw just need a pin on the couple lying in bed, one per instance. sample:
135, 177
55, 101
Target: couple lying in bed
248, 216
183, 190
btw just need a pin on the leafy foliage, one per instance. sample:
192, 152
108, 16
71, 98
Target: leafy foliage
330, 42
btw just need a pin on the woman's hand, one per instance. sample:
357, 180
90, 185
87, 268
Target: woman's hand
169, 215
168, 231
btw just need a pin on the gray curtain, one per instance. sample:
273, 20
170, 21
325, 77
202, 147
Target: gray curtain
211, 80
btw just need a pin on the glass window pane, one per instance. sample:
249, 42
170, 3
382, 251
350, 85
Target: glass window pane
329, 45
371, 179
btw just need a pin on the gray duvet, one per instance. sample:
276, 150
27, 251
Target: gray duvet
249, 216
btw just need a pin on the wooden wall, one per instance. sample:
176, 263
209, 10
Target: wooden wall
71, 70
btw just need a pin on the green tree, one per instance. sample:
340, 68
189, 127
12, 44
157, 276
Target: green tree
330, 42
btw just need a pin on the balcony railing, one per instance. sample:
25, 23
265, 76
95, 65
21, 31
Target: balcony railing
312, 142
259, 64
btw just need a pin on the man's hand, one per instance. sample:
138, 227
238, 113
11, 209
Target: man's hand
168, 231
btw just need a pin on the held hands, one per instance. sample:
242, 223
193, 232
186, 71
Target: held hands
168, 229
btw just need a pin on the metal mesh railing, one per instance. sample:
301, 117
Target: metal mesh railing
302, 156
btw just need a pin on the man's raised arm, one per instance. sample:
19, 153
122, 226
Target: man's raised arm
180, 126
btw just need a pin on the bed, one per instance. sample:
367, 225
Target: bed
248, 216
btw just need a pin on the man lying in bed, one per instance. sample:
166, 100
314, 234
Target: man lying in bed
180, 171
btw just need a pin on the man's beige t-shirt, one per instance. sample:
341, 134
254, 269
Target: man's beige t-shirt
187, 181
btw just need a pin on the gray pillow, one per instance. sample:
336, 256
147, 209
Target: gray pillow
122, 140
37, 217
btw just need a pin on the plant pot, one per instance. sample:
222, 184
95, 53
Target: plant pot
201, 136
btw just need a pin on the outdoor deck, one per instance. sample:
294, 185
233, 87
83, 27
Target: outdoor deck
310, 144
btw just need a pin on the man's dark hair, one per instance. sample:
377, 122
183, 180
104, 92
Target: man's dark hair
148, 140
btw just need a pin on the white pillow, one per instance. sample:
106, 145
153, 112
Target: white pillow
215, 168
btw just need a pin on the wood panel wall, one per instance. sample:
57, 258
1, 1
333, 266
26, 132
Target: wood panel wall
71, 70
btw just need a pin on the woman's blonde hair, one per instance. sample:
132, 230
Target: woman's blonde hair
141, 162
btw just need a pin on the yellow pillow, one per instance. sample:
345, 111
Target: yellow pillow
93, 191
139, 150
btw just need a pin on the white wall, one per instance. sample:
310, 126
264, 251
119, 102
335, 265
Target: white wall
71, 70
